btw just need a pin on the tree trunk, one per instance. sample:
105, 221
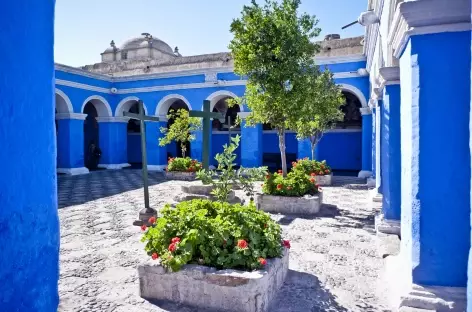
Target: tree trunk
282, 151
313, 146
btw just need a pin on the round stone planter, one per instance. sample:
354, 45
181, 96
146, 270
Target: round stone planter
324, 180
180, 175
307, 205
221, 290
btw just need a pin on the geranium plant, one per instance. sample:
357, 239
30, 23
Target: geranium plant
183, 164
297, 183
215, 234
311, 166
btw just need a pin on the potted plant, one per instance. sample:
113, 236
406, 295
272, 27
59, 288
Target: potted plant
318, 169
182, 168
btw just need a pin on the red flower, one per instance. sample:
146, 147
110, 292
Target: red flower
279, 186
175, 240
144, 227
280, 171
155, 256
172, 247
326, 171
313, 180
286, 243
152, 220
321, 173
313, 174
262, 261
242, 244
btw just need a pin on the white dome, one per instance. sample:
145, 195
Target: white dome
141, 41
109, 50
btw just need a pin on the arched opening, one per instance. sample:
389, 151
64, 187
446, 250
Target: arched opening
351, 110
174, 149
133, 131
231, 113
62, 106
93, 107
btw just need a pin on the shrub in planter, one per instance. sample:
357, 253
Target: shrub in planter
183, 165
215, 234
311, 166
297, 183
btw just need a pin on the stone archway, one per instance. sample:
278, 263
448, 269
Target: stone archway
63, 106
351, 110
94, 107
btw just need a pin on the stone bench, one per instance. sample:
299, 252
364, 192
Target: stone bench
180, 175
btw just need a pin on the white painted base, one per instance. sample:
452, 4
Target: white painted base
158, 168
403, 294
370, 182
386, 226
376, 196
113, 166
365, 174
73, 171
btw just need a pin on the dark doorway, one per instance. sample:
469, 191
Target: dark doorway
91, 135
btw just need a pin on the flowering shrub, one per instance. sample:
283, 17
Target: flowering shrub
183, 164
297, 183
215, 234
311, 166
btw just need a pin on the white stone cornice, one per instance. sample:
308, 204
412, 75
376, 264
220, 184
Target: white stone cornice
82, 86
427, 17
325, 60
365, 111
71, 116
112, 119
389, 75
81, 72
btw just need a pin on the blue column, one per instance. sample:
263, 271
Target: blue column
366, 143
29, 224
391, 153
196, 146
374, 142
70, 143
435, 160
157, 155
113, 142
378, 147
251, 146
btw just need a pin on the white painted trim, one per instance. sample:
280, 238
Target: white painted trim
164, 104
70, 108
343, 130
112, 119
352, 74
77, 116
427, 17
73, 171
355, 91
81, 72
198, 85
324, 60
366, 111
103, 111
113, 166
158, 168
120, 108
182, 73
218, 95
82, 86
364, 174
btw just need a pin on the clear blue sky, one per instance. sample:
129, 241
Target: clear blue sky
84, 28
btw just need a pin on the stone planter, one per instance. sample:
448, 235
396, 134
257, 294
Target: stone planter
232, 198
180, 175
206, 287
324, 180
307, 205
203, 189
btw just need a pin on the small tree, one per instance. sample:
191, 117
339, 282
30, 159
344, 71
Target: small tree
273, 47
322, 110
181, 129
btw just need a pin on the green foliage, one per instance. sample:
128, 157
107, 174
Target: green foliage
310, 167
206, 176
207, 233
297, 183
273, 46
183, 164
181, 129
247, 177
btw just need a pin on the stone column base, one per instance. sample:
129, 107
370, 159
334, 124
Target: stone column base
364, 174
73, 171
376, 196
158, 168
407, 297
370, 182
113, 166
386, 226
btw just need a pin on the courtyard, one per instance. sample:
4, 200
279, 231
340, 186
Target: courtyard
334, 263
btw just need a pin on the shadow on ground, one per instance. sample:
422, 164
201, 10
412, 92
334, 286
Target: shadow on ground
77, 190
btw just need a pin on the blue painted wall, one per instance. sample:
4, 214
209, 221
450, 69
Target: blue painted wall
436, 163
217, 141
96, 82
341, 150
70, 146
29, 224
344, 67
134, 148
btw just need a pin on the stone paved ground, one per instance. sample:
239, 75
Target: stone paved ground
333, 261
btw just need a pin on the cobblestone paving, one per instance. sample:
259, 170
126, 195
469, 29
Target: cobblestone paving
333, 261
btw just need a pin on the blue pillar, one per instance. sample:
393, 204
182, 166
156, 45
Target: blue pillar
113, 142
70, 143
29, 224
374, 142
196, 145
378, 147
157, 155
366, 143
435, 160
251, 146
